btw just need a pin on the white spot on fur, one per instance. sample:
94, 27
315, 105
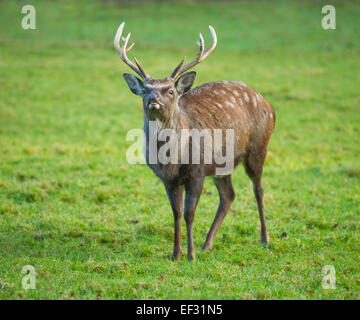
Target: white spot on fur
218, 105
228, 103
233, 99
223, 91
246, 97
254, 101
236, 93
258, 97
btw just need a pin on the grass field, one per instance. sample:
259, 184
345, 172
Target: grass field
95, 227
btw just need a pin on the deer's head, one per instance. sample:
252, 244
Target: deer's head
160, 96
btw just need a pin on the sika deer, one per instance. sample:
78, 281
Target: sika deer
216, 105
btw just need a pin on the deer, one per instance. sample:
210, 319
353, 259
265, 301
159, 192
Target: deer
173, 103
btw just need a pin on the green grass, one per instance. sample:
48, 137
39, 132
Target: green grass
94, 226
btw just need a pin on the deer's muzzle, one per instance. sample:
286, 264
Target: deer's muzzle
154, 105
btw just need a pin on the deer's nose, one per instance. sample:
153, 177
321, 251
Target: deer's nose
153, 97
153, 102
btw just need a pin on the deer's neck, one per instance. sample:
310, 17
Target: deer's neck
154, 140
175, 121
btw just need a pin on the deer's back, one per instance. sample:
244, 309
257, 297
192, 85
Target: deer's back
231, 105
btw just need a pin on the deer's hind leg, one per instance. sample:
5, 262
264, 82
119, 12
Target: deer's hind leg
254, 167
227, 196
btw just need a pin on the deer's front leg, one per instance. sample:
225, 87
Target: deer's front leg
192, 195
175, 195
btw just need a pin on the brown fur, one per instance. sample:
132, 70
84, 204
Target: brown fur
215, 105
253, 125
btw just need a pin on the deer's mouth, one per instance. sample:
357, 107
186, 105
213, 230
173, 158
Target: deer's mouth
154, 106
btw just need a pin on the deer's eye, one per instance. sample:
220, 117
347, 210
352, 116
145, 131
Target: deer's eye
171, 92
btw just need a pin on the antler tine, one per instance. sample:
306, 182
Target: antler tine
140, 67
122, 50
173, 74
202, 55
213, 45
201, 45
125, 41
131, 46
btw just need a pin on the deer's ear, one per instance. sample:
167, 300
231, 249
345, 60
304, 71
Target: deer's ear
185, 82
134, 83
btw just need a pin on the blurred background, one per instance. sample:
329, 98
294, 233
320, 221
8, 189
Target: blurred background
96, 227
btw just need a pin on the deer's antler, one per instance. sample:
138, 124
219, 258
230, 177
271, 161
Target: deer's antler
123, 50
202, 55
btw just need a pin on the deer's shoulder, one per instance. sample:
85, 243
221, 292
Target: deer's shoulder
217, 89
214, 91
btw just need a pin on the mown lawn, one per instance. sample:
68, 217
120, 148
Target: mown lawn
95, 227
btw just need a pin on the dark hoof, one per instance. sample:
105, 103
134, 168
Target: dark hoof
265, 239
191, 257
206, 248
176, 256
